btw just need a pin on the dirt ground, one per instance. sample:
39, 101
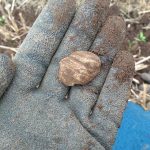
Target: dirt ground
16, 20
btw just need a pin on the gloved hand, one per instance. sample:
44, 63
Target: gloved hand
37, 112
7, 70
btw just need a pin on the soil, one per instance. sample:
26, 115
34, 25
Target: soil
133, 29
125, 64
26, 13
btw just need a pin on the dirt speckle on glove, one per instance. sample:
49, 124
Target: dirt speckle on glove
125, 64
58, 19
111, 36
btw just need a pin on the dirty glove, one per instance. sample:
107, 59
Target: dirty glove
7, 70
37, 112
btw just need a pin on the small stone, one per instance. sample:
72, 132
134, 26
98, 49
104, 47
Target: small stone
145, 77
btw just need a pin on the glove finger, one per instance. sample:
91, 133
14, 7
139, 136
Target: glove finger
114, 11
83, 98
7, 70
117, 87
80, 36
111, 103
35, 53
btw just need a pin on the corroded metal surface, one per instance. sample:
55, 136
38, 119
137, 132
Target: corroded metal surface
79, 68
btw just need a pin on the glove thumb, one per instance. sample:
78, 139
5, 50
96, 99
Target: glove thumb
7, 70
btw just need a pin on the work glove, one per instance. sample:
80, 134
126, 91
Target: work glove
37, 112
7, 69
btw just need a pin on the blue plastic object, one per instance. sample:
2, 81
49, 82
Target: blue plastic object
134, 132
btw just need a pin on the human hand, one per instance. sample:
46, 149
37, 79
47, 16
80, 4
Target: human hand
7, 70
34, 111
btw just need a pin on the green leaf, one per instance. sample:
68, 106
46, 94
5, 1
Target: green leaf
2, 20
142, 37
130, 43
